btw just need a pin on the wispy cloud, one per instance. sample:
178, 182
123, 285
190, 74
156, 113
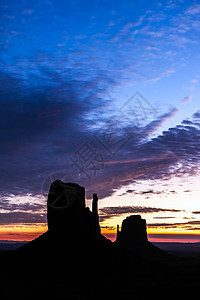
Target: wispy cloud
110, 212
27, 11
57, 123
53, 101
193, 9
164, 74
187, 99
21, 217
190, 225
194, 81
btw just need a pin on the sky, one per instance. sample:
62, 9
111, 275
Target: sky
104, 94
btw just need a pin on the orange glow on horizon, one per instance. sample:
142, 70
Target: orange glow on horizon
28, 232
163, 237
22, 232
153, 237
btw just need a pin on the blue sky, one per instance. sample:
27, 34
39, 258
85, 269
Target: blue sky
152, 47
68, 67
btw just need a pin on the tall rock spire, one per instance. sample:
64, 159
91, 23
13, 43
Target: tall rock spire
95, 204
95, 212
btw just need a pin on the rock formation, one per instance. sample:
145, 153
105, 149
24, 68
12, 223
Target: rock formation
73, 260
66, 211
74, 230
133, 233
133, 236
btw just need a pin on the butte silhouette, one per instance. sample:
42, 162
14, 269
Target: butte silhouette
73, 260
73, 227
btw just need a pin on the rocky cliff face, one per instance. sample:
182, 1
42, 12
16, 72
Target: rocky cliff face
133, 234
66, 211
73, 230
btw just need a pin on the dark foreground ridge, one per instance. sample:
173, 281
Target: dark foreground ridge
73, 260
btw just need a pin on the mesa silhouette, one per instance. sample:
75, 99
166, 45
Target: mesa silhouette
73, 260
73, 227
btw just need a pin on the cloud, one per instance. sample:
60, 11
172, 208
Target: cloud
187, 225
111, 23
110, 212
130, 191
163, 74
187, 99
193, 9
123, 32
57, 123
169, 71
150, 192
21, 217
27, 11
196, 116
139, 21
11, 205
40, 128
163, 217
109, 227
51, 105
